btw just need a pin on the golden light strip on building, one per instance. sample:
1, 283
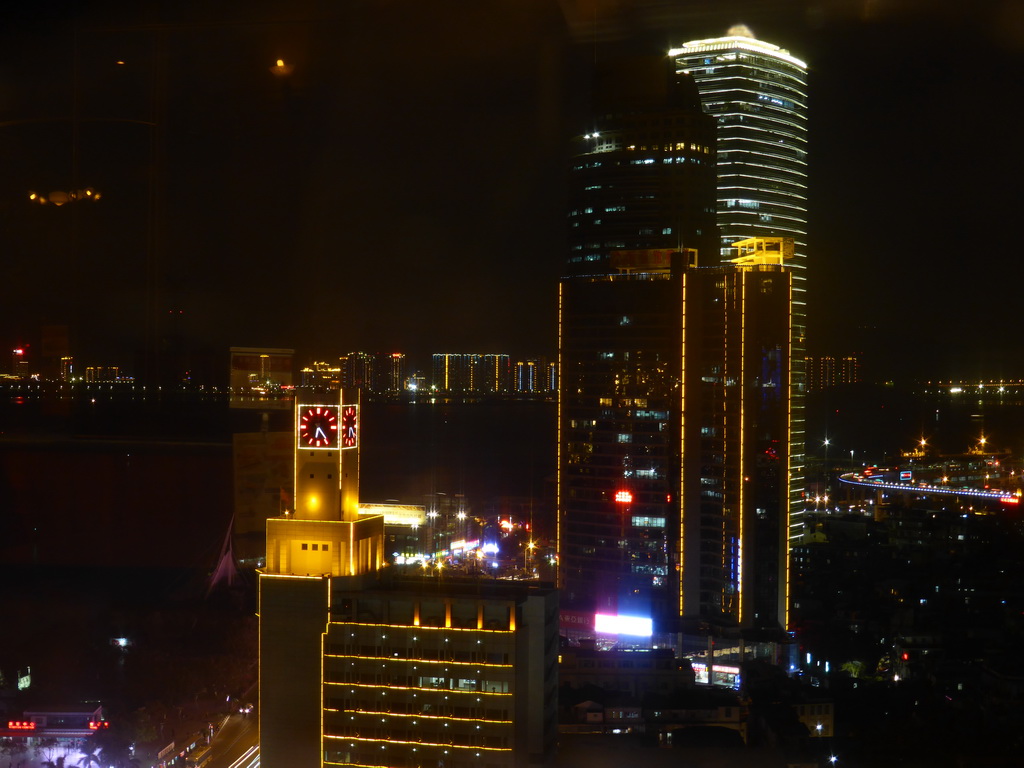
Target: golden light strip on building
726, 422
424, 717
367, 740
743, 439
312, 577
681, 501
789, 458
390, 687
731, 42
559, 502
417, 661
508, 631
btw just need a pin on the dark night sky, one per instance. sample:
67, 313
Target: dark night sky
403, 187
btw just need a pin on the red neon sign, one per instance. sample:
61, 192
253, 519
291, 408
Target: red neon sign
624, 497
96, 725
21, 725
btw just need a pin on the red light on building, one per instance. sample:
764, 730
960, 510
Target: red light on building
624, 497
97, 725
1010, 500
21, 725
905, 656
19, 351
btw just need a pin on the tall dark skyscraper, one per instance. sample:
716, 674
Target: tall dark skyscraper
677, 381
643, 174
674, 438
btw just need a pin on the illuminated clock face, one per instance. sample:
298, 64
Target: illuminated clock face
318, 426
349, 427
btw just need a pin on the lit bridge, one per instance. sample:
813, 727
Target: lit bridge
890, 480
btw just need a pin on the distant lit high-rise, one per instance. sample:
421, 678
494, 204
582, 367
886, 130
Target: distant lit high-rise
479, 374
19, 362
828, 371
535, 377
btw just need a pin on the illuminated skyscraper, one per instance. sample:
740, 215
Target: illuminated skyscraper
485, 374
674, 440
757, 93
386, 666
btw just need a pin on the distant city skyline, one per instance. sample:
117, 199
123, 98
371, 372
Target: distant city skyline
347, 199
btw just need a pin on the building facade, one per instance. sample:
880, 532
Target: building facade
476, 374
828, 371
674, 440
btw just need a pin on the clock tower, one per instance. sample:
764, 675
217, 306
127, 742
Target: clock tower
326, 461
320, 545
324, 533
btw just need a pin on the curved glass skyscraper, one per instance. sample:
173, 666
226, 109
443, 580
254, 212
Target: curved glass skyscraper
757, 92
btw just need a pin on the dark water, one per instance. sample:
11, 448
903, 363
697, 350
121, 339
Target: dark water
484, 450
130, 478
878, 422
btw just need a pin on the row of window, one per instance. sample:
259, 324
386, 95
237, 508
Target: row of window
392, 705
375, 677
373, 757
479, 656
417, 736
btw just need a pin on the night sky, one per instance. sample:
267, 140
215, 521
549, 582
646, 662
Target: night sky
402, 187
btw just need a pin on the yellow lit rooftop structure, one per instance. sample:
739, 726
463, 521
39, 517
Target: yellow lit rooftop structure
762, 251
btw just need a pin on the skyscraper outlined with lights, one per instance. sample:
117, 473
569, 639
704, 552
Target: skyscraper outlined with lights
757, 93
674, 441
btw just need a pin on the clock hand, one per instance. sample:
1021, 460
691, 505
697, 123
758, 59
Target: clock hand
320, 432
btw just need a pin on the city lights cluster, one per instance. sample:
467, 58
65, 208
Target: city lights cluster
59, 197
